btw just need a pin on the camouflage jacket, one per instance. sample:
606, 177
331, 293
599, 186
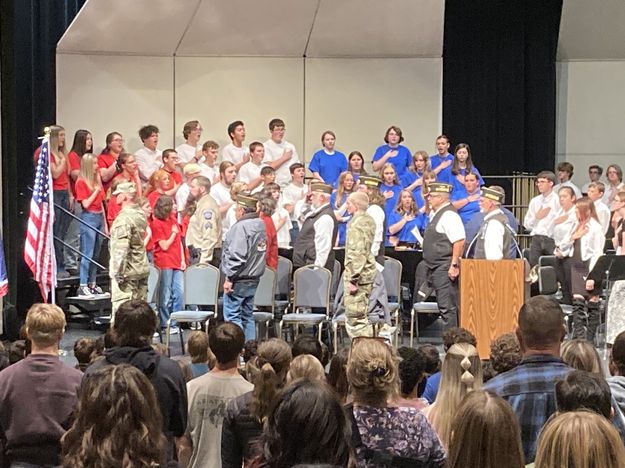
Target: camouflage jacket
128, 257
359, 261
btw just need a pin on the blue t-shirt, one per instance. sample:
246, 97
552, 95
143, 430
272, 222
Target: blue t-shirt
401, 161
405, 234
408, 179
453, 180
341, 228
391, 203
468, 210
431, 387
329, 166
436, 160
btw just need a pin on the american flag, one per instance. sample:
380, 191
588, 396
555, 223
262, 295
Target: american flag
39, 246
4, 283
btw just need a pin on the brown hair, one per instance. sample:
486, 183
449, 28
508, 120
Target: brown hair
163, 206
327, 132
397, 130
581, 355
337, 375
45, 324
505, 352
486, 434
455, 167
426, 159
84, 349
541, 323
197, 345
586, 208
268, 373
224, 165
189, 127
210, 144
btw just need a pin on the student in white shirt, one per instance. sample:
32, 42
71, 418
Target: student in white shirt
596, 190
540, 215
267, 176
563, 226
149, 157
594, 175
231, 214
564, 174
250, 171
221, 190
281, 217
294, 192
235, 151
189, 150
614, 176
279, 153
191, 171
208, 161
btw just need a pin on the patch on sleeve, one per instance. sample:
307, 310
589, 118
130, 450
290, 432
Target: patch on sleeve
208, 214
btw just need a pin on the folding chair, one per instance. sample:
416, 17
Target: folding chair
336, 278
153, 280
312, 290
201, 286
548, 286
392, 278
284, 283
265, 297
420, 308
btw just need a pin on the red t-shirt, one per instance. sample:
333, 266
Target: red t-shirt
153, 198
61, 182
175, 178
112, 210
172, 258
272, 242
74, 165
106, 160
83, 192
121, 176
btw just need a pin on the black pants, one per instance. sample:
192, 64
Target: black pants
563, 273
437, 278
540, 245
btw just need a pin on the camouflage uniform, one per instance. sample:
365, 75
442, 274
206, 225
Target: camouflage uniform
360, 270
129, 269
204, 232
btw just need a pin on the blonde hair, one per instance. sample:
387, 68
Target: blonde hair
461, 373
88, 169
236, 188
305, 366
400, 206
372, 372
45, 324
581, 355
389, 166
267, 371
579, 439
340, 190
426, 158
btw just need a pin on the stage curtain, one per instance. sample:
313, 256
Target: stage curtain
499, 81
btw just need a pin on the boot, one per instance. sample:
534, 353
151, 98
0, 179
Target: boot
580, 319
594, 318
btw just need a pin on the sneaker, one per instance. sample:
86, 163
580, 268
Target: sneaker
174, 330
84, 291
96, 290
62, 274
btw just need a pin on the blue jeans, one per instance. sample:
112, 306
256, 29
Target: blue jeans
60, 226
239, 306
170, 294
294, 232
90, 243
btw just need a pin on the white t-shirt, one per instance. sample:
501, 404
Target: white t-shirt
209, 172
148, 162
228, 221
273, 152
284, 233
249, 172
186, 152
221, 194
377, 214
451, 225
234, 154
182, 196
291, 195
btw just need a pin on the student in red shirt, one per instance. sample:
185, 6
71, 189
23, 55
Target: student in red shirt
107, 160
168, 257
267, 207
90, 194
170, 165
158, 184
127, 168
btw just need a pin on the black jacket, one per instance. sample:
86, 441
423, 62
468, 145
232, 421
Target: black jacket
239, 432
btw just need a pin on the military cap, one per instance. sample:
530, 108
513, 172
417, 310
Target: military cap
321, 187
492, 194
247, 201
439, 187
370, 181
125, 187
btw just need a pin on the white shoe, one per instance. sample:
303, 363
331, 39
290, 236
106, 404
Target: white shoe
174, 330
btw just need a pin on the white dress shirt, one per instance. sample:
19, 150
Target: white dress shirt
273, 152
324, 227
562, 231
493, 237
544, 226
377, 214
450, 224
604, 214
568, 183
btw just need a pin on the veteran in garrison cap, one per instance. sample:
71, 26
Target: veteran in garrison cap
443, 243
204, 232
495, 236
317, 236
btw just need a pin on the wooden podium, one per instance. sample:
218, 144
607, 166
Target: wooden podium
491, 293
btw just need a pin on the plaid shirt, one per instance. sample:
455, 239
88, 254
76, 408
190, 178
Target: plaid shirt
530, 390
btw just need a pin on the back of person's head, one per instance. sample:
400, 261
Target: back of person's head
45, 324
337, 374
115, 421
617, 355
541, 324
411, 369
226, 341
160, 348
4, 357
581, 355
306, 367
455, 335
372, 371
268, 372
579, 439
432, 358
197, 346
505, 352
83, 350
307, 344
250, 349
486, 434
17, 351
461, 373
135, 324
306, 425
583, 390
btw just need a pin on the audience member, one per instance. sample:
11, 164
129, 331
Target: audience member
529, 387
617, 370
580, 390
461, 374
485, 434
202, 358
411, 372
189, 150
380, 430
84, 349
306, 425
134, 326
337, 374
307, 344
209, 395
4, 357
540, 216
505, 352
115, 423
235, 151
279, 153
305, 366
564, 174
579, 439
148, 157
581, 355
432, 366
246, 414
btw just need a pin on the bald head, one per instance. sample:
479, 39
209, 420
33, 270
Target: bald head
541, 324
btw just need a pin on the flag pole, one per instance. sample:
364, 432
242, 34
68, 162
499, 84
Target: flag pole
46, 132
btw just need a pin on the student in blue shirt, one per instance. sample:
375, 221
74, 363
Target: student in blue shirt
441, 161
404, 218
327, 164
392, 152
338, 199
356, 165
413, 178
462, 165
390, 188
466, 197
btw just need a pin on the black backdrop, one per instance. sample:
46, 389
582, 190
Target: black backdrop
498, 94
499, 81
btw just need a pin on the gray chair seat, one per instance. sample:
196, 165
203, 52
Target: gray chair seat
192, 315
420, 308
262, 316
339, 319
303, 317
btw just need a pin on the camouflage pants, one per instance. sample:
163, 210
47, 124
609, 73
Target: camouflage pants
132, 289
357, 311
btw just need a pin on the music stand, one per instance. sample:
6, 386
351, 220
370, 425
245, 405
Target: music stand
609, 268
